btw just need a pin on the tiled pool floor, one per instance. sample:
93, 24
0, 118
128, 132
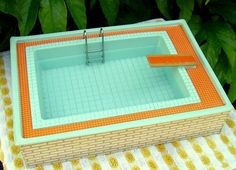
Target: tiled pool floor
118, 83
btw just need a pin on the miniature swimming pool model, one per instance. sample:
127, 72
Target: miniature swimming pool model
83, 93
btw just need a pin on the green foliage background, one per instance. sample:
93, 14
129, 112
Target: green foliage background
213, 22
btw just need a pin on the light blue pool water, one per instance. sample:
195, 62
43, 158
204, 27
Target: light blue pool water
63, 89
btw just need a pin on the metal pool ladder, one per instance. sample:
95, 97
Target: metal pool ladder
98, 58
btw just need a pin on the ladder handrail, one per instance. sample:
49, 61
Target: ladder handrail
85, 37
101, 34
86, 45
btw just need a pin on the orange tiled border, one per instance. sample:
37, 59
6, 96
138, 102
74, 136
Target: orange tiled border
206, 90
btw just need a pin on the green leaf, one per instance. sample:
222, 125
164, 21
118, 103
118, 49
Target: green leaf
9, 7
195, 24
227, 9
219, 35
186, 8
232, 89
201, 36
78, 12
110, 9
24, 10
199, 2
28, 10
207, 1
92, 3
132, 11
53, 15
222, 69
227, 39
211, 49
231, 54
163, 6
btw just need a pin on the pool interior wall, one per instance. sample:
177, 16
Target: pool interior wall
67, 86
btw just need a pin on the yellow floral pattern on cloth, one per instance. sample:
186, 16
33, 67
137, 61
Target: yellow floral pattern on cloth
113, 162
205, 159
184, 155
212, 152
217, 153
167, 157
129, 156
151, 163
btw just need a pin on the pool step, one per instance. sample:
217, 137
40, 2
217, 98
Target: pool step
171, 60
100, 57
